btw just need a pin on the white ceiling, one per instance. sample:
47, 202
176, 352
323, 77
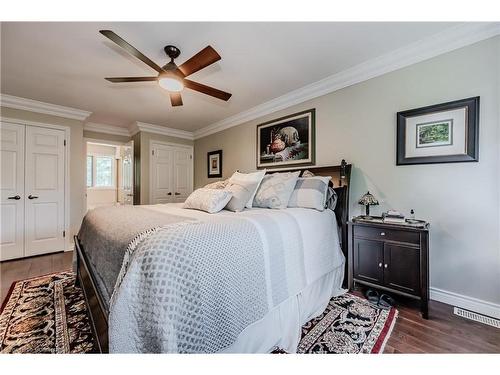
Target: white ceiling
65, 64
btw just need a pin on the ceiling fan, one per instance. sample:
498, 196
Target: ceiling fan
170, 76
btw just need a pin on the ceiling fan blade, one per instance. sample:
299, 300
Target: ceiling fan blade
207, 90
130, 49
199, 61
175, 99
130, 79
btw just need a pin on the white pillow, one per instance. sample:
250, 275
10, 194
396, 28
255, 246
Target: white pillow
217, 185
241, 191
208, 200
310, 192
275, 190
248, 179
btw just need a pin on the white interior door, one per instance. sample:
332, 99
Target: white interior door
183, 174
44, 189
162, 185
12, 191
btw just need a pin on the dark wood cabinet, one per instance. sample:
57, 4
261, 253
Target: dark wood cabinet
390, 257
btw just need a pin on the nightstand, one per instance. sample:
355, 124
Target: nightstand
390, 257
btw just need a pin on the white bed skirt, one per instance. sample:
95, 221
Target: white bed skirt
281, 326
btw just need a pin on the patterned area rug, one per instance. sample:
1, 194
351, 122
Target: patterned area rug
348, 325
47, 314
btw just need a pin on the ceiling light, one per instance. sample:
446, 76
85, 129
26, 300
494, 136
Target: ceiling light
171, 83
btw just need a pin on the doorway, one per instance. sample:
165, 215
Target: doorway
109, 174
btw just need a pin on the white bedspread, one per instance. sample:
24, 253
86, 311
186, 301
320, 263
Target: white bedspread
196, 286
319, 232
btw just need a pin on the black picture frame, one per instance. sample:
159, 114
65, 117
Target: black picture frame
471, 136
218, 160
304, 126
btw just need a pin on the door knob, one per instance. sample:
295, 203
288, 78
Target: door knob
32, 197
16, 197
385, 265
169, 193
176, 193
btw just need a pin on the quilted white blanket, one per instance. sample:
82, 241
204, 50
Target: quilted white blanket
193, 287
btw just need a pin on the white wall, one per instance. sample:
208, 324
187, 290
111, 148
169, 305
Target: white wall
358, 123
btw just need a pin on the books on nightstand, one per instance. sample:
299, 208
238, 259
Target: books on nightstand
394, 217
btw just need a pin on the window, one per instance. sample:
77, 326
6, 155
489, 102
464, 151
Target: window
90, 168
100, 171
103, 171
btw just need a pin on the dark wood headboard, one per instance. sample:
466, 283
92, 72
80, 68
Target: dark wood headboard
341, 178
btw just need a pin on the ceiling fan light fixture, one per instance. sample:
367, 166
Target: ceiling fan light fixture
171, 83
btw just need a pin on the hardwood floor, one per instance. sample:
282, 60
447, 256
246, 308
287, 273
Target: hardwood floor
20, 269
442, 333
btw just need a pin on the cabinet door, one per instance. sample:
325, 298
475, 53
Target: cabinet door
368, 260
402, 268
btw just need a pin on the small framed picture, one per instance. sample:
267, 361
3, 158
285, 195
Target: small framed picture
287, 141
442, 133
214, 164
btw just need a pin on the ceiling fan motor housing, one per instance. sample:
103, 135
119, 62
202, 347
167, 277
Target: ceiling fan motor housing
172, 51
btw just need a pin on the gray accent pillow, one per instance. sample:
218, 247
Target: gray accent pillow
331, 198
275, 190
241, 193
310, 192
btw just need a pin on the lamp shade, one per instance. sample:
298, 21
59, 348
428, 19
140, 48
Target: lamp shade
368, 200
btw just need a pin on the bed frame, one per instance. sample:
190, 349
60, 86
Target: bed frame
98, 315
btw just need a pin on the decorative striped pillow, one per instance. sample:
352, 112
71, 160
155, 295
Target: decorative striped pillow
310, 192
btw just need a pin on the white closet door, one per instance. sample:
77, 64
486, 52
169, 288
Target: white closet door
44, 190
12, 191
183, 174
162, 174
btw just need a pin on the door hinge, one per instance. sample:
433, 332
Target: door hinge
190, 156
153, 152
65, 142
64, 233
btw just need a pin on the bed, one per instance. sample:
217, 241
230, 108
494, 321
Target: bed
161, 278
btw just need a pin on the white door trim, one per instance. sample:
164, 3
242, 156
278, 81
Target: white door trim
153, 142
68, 245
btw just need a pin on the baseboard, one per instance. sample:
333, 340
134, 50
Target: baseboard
465, 302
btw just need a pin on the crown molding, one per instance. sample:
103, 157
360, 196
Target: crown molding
446, 41
157, 129
16, 102
104, 128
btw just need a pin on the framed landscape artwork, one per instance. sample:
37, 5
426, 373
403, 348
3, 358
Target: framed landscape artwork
214, 164
442, 133
287, 141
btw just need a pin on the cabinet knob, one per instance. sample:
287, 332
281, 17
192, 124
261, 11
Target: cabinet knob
385, 265
382, 233
380, 265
